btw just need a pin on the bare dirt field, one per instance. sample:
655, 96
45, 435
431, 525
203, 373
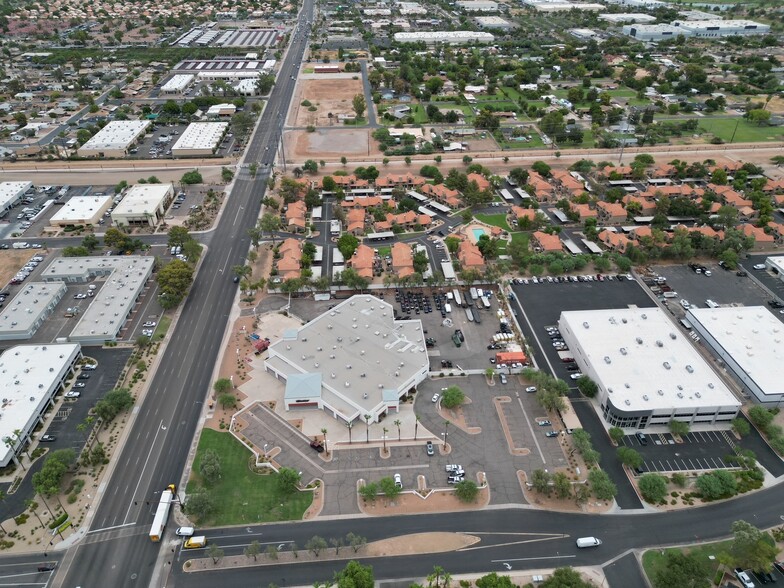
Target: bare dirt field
336, 142
330, 95
10, 262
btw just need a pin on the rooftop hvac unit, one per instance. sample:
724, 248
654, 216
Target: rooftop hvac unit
666, 365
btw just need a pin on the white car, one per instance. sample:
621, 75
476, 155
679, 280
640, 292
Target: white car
575, 376
435, 398
685, 303
759, 266
147, 332
79, 385
398, 481
530, 389
149, 324
73, 394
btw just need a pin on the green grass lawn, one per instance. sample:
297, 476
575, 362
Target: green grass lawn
384, 251
518, 237
497, 220
163, 327
653, 560
242, 497
747, 132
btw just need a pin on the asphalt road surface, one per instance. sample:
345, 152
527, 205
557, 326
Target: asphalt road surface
117, 550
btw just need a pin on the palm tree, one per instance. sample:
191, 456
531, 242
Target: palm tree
11, 444
397, 423
384, 438
349, 426
367, 430
326, 449
416, 426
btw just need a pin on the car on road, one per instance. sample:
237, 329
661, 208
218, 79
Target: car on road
503, 378
149, 324
759, 266
147, 332
743, 578
531, 389
435, 398
79, 385
545, 423
80, 296
454, 469
685, 303
185, 531
317, 446
429, 447
551, 434
73, 394
575, 376
47, 438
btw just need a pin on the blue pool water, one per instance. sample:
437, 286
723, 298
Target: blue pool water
478, 233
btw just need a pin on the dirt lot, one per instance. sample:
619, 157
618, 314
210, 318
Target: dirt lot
331, 143
332, 94
10, 262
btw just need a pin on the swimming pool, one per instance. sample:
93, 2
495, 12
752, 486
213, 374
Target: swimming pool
478, 233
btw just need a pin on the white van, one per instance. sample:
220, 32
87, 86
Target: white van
185, 531
588, 542
711, 303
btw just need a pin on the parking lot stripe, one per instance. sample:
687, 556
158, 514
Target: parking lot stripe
531, 428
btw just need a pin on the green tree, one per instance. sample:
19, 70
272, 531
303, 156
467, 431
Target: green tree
288, 480
72, 251
561, 485
629, 457
718, 484
192, 177
316, 545
493, 580
760, 416
359, 105
741, 426
215, 552
47, 480
616, 434
369, 491
355, 541
270, 223
601, 485
222, 385
540, 480
587, 386
227, 400
452, 397
388, 488
566, 578
178, 236
354, 575
264, 83
90, 242
112, 404
174, 280
653, 488
679, 428
200, 504
752, 548
681, 570
210, 467
254, 548
467, 491
347, 245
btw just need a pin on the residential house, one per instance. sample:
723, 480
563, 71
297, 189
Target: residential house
482, 182
703, 230
614, 241
567, 182
544, 191
518, 213
353, 186
773, 186
362, 261
647, 206
363, 202
469, 256
777, 230
355, 221
611, 212
289, 263
402, 259
545, 242
295, 216
585, 211
385, 184
442, 194
762, 240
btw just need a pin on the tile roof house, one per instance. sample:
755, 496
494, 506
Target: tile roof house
761, 238
611, 212
387, 183
295, 216
543, 190
355, 221
773, 186
614, 241
362, 261
541, 241
567, 182
585, 211
289, 263
480, 180
402, 259
777, 230
362, 202
704, 230
469, 256
517, 213
647, 207
442, 194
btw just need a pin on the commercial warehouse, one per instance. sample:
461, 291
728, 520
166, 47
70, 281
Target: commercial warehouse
647, 371
34, 375
222, 69
200, 138
120, 279
448, 37
748, 340
177, 84
27, 311
695, 28
144, 204
354, 360
81, 210
11, 194
115, 139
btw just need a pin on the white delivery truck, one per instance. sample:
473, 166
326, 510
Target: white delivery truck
21, 245
588, 542
162, 513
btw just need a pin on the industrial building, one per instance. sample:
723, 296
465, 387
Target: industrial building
225, 69
628, 17
654, 32
115, 139
200, 138
144, 204
448, 37
477, 5
494, 22
11, 194
775, 263
695, 28
81, 210
747, 339
34, 375
210, 37
560, 5
121, 281
27, 311
177, 84
647, 371
354, 360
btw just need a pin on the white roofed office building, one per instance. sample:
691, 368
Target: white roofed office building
477, 5
647, 371
11, 194
200, 138
177, 84
33, 376
81, 210
448, 37
354, 360
120, 281
26, 312
115, 139
748, 339
776, 263
144, 204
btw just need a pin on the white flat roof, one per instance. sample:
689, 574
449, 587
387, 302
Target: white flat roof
753, 336
628, 17
453, 36
201, 135
25, 309
118, 134
643, 361
141, 199
124, 278
81, 208
177, 82
10, 191
31, 376
777, 262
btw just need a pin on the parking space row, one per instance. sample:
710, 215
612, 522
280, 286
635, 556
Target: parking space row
706, 437
677, 464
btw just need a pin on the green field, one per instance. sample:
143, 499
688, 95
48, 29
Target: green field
747, 132
653, 560
496, 220
516, 237
240, 496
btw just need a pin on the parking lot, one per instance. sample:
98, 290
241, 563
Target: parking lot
767, 279
700, 450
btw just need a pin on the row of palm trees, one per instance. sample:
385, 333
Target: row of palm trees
367, 417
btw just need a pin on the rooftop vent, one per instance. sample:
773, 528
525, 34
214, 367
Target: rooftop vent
698, 394
623, 351
644, 316
585, 324
348, 384
627, 402
363, 375
607, 359
666, 365
660, 392
710, 385
624, 321
680, 394
645, 397
689, 369
659, 344
673, 336
639, 340
348, 366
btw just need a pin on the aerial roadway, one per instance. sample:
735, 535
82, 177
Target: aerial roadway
117, 551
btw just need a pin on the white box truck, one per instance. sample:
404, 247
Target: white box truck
21, 245
588, 542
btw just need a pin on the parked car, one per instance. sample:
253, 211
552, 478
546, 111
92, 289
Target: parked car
73, 394
531, 389
551, 434
398, 481
79, 385
575, 376
317, 446
503, 378
84, 376
435, 398
743, 578
545, 423
47, 438
429, 447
